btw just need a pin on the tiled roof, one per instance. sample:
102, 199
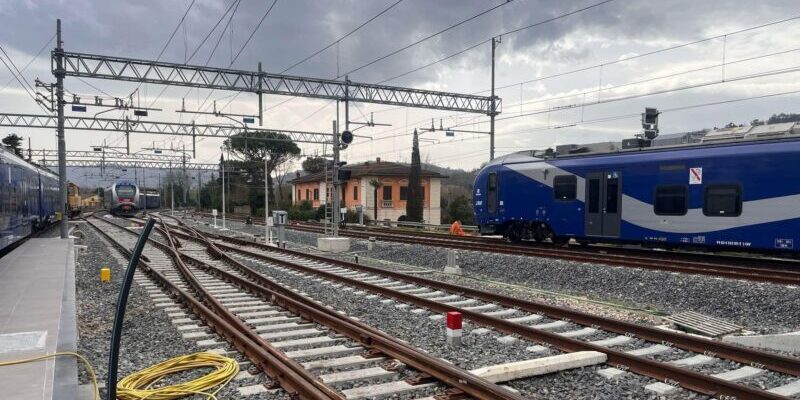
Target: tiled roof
369, 168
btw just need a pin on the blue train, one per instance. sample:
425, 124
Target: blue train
28, 198
733, 188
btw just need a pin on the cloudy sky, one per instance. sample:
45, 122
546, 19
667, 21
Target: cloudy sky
545, 102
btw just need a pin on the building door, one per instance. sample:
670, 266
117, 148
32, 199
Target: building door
603, 204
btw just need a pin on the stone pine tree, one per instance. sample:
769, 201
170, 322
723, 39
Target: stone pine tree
14, 143
415, 195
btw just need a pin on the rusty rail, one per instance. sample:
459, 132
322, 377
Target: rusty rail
664, 372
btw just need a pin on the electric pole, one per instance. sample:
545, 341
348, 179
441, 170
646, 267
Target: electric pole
336, 179
493, 103
62, 146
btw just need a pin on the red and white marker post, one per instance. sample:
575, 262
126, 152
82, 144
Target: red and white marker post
454, 329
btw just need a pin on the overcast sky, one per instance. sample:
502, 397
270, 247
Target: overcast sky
554, 111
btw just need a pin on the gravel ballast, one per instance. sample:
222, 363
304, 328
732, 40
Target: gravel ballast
148, 337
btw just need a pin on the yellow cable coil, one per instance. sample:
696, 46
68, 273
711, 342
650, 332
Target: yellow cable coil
139, 385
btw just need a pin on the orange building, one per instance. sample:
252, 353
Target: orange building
389, 180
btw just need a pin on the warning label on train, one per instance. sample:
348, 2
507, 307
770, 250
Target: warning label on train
696, 176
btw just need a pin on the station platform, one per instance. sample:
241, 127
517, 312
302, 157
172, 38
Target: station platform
38, 317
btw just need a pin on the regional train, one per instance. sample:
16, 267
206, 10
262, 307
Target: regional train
122, 198
732, 188
28, 198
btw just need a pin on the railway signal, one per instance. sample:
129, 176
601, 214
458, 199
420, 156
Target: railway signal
650, 122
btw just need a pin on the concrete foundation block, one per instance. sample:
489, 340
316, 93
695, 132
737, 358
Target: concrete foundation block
333, 244
784, 342
539, 366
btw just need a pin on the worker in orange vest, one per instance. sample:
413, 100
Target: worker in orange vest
456, 230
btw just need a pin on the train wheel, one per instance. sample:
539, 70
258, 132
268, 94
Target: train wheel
514, 232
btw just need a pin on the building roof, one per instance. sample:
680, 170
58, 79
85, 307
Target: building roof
370, 168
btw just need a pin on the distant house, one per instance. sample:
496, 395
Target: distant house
92, 201
392, 190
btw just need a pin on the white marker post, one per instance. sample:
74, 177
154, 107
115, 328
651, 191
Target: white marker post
454, 329
214, 213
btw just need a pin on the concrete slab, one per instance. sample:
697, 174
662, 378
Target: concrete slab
740, 373
37, 294
693, 361
357, 374
508, 339
661, 388
784, 342
611, 373
480, 331
614, 341
789, 389
539, 366
382, 389
298, 333
551, 325
341, 362
650, 350
537, 349
579, 333
525, 319
323, 351
305, 342
333, 244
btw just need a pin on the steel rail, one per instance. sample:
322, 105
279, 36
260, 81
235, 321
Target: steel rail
302, 385
657, 264
368, 336
668, 373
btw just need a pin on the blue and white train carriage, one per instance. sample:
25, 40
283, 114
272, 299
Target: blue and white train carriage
732, 188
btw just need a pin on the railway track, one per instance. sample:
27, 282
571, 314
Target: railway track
564, 329
308, 349
744, 268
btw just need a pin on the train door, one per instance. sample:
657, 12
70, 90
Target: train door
603, 204
491, 193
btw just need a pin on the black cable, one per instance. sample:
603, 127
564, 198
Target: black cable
119, 317
31, 60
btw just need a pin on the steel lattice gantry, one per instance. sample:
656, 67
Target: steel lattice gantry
163, 128
130, 164
73, 154
164, 73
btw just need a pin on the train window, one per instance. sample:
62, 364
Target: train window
612, 194
594, 196
491, 193
723, 201
565, 187
670, 200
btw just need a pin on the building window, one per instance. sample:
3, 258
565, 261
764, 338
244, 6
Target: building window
298, 194
670, 200
387, 193
355, 192
316, 194
565, 187
723, 201
308, 194
403, 193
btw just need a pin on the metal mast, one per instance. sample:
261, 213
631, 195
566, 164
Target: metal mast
59, 72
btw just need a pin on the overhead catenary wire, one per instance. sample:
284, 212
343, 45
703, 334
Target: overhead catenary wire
426, 38
345, 36
620, 117
28, 64
21, 79
506, 33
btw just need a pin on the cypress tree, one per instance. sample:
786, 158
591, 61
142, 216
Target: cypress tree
414, 204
